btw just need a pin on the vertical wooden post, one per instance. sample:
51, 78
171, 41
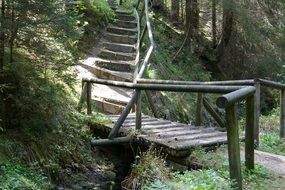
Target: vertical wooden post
199, 110
139, 112
89, 106
249, 133
121, 2
282, 114
233, 146
256, 113
151, 104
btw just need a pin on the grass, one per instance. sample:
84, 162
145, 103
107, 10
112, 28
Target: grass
14, 176
214, 175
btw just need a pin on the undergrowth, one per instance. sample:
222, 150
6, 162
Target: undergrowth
174, 106
213, 175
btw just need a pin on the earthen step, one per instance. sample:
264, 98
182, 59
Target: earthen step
118, 38
125, 17
120, 30
124, 12
123, 66
107, 74
125, 24
125, 48
111, 55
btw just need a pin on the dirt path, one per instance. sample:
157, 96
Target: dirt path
274, 163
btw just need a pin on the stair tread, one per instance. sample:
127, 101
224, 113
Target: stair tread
114, 94
119, 53
122, 28
124, 75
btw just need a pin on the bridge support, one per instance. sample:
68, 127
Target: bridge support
282, 114
233, 146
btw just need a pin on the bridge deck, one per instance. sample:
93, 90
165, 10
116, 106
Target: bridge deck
175, 138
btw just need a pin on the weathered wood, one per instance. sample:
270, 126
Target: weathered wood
174, 88
271, 84
233, 146
104, 142
282, 114
199, 109
139, 112
249, 133
213, 113
234, 82
256, 113
233, 97
89, 101
120, 121
151, 104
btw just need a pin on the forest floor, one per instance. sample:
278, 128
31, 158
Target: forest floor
273, 162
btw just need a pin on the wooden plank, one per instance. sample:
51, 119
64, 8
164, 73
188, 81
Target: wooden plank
190, 137
199, 109
148, 123
198, 142
166, 134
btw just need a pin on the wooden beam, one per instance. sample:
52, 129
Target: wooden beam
199, 109
123, 116
282, 114
256, 113
249, 133
139, 112
165, 87
213, 113
104, 142
151, 104
233, 97
233, 146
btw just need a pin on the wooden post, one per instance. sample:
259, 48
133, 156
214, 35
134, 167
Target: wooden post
121, 2
139, 112
199, 110
282, 114
256, 113
213, 113
249, 133
83, 96
89, 101
151, 104
233, 146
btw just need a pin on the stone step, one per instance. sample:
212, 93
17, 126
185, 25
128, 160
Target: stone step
123, 66
125, 24
118, 38
107, 74
124, 12
113, 7
108, 107
120, 30
125, 17
111, 55
125, 48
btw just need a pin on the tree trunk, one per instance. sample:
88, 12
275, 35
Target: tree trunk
2, 36
188, 20
228, 25
13, 31
175, 6
214, 22
194, 15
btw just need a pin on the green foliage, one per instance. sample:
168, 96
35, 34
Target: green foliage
179, 106
14, 176
150, 168
271, 142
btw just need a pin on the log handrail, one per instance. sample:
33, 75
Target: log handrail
228, 101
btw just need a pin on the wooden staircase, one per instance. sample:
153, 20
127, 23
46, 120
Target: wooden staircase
115, 61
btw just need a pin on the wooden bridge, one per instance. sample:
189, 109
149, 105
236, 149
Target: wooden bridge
119, 84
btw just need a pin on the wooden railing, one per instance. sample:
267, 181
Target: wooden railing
228, 101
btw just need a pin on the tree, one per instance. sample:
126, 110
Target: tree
175, 6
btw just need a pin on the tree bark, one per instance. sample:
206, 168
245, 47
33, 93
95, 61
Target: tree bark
228, 25
214, 22
175, 6
2, 36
